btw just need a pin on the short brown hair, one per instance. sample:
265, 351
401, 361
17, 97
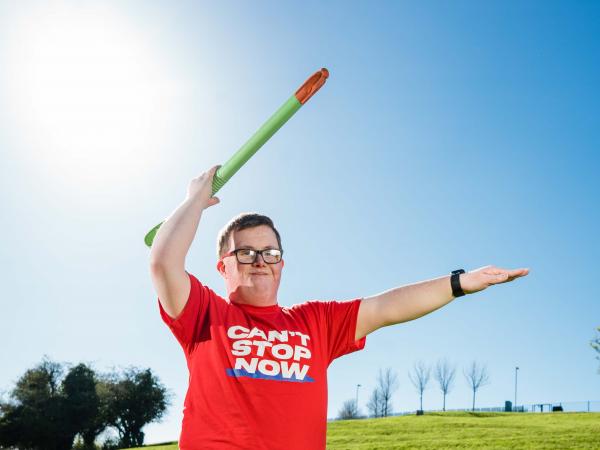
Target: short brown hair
241, 222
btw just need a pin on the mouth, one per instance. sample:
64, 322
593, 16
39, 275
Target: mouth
258, 273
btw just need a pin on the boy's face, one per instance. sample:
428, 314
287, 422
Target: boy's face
257, 283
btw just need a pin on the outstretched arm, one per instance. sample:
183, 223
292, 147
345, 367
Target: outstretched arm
410, 302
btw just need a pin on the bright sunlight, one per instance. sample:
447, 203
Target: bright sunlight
92, 97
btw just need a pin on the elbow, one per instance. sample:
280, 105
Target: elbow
160, 263
157, 268
164, 260
161, 270
157, 258
156, 265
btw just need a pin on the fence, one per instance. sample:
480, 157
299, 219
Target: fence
582, 406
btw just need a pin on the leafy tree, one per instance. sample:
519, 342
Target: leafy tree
11, 425
134, 399
85, 404
37, 416
47, 410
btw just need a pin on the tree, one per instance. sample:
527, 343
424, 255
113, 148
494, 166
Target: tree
420, 379
47, 411
374, 405
135, 398
476, 378
37, 417
595, 343
86, 404
11, 427
444, 374
388, 383
380, 403
349, 410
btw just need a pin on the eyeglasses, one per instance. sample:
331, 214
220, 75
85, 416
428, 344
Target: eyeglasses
248, 256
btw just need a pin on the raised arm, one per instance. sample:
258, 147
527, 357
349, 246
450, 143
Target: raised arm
410, 302
172, 243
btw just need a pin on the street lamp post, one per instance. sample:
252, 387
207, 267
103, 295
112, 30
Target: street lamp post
357, 386
516, 373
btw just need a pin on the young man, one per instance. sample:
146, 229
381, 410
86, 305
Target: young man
257, 370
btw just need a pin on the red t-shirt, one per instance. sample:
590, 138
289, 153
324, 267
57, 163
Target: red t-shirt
258, 375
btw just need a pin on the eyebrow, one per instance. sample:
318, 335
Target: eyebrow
252, 248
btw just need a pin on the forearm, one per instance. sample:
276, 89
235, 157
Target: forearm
175, 236
412, 301
415, 300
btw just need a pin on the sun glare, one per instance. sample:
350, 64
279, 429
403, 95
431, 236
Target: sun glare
92, 98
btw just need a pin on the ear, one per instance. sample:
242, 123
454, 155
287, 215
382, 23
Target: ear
282, 263
221, 267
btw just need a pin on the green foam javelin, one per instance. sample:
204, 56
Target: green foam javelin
264, 133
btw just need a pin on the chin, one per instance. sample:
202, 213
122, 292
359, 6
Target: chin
260, 290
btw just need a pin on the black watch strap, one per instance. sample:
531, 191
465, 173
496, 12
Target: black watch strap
455, 283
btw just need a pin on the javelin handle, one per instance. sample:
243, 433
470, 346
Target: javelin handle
227, 170
269, 128
246, 151
264, 133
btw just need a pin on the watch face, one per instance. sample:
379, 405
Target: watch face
459, 271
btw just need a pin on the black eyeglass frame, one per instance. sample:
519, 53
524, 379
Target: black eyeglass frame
256, 253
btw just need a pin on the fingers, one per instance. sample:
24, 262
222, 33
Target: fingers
210, 172
201, 187
497, 278
517, 273
214, 201
503, 275
491, 270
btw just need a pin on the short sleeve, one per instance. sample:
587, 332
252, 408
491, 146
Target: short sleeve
340, 319
188, 326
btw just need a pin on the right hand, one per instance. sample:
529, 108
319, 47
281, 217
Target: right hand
200, 189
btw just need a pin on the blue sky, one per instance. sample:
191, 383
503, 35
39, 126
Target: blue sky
449, 135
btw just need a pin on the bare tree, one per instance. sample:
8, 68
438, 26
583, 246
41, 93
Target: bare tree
596, 346
380, 403
420, 378
349, 410
374, 405
476, 377
444, 375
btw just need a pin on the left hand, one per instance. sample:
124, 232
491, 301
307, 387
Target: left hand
480, 279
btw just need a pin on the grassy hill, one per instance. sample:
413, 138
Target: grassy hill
463, 430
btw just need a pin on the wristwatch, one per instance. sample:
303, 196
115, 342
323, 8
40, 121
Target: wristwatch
455, 283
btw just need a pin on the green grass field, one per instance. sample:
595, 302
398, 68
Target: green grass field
463, 430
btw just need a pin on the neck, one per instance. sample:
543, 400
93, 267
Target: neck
236, 297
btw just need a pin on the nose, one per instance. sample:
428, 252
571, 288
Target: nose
259, 261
